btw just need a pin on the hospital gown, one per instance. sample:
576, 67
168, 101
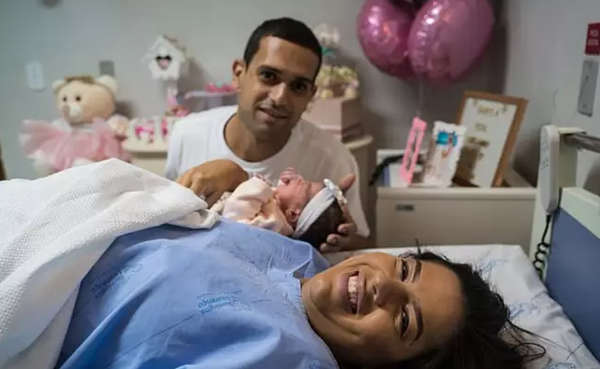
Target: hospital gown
169, 297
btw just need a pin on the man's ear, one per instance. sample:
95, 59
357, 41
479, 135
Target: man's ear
238, 68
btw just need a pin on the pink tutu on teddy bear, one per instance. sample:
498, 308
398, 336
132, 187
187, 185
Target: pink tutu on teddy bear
59, 146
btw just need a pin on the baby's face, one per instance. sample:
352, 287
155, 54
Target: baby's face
293, 193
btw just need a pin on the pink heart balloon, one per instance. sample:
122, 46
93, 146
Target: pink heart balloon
448, 37
383, 29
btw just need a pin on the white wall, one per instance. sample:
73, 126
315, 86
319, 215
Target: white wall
546, 41
72, 36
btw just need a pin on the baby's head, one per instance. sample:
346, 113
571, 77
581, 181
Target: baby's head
311, 223
293, 193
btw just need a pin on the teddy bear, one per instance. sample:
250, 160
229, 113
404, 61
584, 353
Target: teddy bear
88, 130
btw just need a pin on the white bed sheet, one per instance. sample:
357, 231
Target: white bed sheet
510, 273
53, 231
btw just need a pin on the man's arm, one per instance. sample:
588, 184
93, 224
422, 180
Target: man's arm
212, 178
173, 154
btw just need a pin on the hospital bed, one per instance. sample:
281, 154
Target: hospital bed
562, 309
564, 306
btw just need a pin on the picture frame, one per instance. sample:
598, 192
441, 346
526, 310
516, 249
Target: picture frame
492, 123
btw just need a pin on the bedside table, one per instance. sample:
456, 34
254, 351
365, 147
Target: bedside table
453, 216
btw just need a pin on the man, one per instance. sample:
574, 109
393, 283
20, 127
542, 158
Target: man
263, 135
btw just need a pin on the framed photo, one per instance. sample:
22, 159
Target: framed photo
492, 123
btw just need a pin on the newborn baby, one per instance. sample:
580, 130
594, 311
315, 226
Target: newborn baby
308, 211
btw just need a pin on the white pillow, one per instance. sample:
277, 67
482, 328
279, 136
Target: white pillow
510, 273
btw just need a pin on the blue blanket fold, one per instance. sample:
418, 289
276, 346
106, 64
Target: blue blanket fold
169, 297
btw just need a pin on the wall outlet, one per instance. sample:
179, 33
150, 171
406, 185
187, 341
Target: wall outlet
587, 89
35, 76
107, 67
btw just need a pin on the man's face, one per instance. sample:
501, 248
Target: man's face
275, 87
376, 308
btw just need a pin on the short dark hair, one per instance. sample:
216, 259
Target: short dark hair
326, 224
287, 29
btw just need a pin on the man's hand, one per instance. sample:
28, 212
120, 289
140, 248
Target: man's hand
211, 179
346, 237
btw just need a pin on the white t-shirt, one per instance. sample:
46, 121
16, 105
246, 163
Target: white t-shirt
315, 154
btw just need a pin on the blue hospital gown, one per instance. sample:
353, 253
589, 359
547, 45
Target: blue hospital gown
169, 297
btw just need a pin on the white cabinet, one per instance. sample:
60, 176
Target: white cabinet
456, 215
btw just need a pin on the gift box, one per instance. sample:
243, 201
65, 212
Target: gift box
339, 115
345, 135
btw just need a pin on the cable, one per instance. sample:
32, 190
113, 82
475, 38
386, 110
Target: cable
543, 247
379, 168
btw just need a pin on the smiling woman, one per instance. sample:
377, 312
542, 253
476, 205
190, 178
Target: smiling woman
419, 310
170, 297
389, 308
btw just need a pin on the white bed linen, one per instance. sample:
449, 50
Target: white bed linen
53, 231
511, 274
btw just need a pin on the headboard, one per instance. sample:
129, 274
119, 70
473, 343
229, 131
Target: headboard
573, 264
573, 268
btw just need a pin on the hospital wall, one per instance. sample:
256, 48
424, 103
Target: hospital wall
526, 58
72, 36
546, 42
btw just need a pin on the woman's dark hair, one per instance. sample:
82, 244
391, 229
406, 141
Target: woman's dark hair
287, 29
487, 338
326, 224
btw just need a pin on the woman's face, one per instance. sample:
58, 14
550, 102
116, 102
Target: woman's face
377, 308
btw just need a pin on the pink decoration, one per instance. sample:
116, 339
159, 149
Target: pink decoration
383, 29
221, 88
448, 36
60, 147
164, 127
413, 147
211, 87
144, 129
173, 106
